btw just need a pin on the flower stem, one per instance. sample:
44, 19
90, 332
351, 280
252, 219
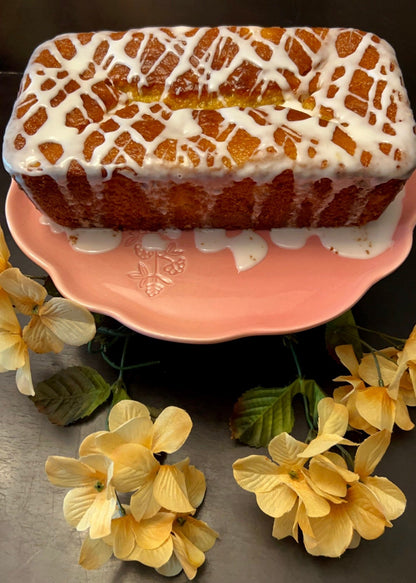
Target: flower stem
120, 506
289, 342
399, 341
347, 456
374, 355
130, 367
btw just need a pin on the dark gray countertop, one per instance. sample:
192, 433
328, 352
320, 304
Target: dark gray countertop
36, 545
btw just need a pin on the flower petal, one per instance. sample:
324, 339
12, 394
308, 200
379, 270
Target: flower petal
278, 501
402, 417
26, 293
256, 473
376, 407
198, 532
94, 553
323, 443
194, 481
99, 462
315, 505
389, 495
71, 323
169, 489
69, 472
171, 430
8, 318
405, 357
332, 533
333, 417
342, 394
89, 446
189, 556
370, 452
4, 252
153, 557
365, 512
284, 449
286, 525
346, 354
171, 568
12, 351
76, 503
142, 503
122, 535
41, 339
124, 411
376, 365
99, 515
330, 477
134, 465
137, 430
24, 378
151, 533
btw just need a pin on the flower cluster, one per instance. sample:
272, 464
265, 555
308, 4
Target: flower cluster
52, 323
309, 488
156, 525
381, 386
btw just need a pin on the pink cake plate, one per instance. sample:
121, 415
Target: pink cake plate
184, 295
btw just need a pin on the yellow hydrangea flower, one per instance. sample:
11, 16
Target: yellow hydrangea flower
368, 505
378, 390
310, 488
156, 528
52, 323
131, 442
284, 482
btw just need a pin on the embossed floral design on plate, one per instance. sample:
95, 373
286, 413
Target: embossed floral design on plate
158, 263
178, 293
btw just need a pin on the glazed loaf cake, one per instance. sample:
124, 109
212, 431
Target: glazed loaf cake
227, 127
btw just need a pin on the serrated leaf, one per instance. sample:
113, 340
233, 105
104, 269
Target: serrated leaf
261, 413
343, 330
71, 394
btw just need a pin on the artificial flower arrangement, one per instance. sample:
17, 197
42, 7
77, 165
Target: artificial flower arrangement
134, 505
157, 528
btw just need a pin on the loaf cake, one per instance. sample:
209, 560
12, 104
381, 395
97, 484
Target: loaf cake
227, 127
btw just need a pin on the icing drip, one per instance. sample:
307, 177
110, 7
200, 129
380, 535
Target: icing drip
248, 247
87, 240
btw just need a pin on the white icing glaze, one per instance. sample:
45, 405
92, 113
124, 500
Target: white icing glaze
87, 240
248, 247
183, 123
353, 242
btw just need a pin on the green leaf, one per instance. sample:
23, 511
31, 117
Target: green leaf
71, 394
343, 330
119, 390
261, 413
